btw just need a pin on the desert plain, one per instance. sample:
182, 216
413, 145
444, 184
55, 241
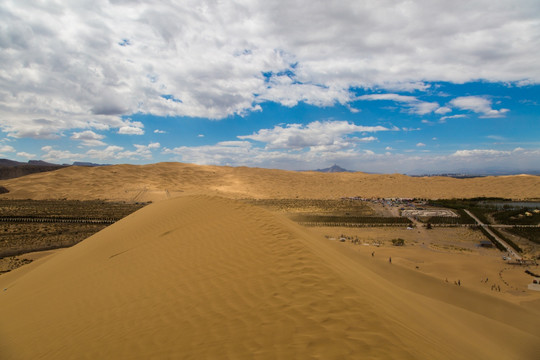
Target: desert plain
203, 272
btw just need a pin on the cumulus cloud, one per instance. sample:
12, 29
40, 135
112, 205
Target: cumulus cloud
26, 155
111, 152
132, 128
480, 153
328, 134
478, 104
118, 152
458, 116
55, 155
222, 153
88, 138
246, 153
83, 66
443, 110
413, 104
420, 144
6, 148
157, 131
368, 139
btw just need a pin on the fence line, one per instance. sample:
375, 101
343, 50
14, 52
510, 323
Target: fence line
312, 223
56, 220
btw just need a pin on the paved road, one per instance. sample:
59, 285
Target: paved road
486, 227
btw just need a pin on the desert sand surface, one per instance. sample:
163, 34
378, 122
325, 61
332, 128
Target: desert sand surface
205, 277
165, 180
447, 254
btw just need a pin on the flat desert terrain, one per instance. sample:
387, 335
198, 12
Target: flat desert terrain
199, 274
165, 180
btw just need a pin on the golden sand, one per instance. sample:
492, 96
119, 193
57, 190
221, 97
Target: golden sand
165, 180
201, 277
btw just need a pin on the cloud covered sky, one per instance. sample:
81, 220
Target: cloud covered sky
383, 86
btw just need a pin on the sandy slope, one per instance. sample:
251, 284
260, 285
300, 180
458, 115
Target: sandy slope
201, 277
165, 180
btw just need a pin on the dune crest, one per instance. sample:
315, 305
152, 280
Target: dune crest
206, 277
165, 180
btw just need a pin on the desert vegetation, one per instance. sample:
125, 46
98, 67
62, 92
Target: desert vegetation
532, 234
36, 225
337, 207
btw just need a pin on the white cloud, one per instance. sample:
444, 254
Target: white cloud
479, 105
54, 155
444, 118
157, 131
316, 134
420, 144
443, 110
6, 148
132, 128
26, 155
200, 135
111, 152
244, 153
223, 153
480, 153
368, 139
413, 104
118, 152
88, 138
82, 66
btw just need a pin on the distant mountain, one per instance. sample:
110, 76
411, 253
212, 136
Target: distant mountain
475, 174
10, 169
333, 169
7, 162
84, 163
41, 163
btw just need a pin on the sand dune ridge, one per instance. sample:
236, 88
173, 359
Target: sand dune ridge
207, 277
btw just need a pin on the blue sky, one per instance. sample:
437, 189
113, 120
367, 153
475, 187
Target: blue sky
388, 86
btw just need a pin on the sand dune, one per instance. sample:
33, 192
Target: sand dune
166, 180
201, 277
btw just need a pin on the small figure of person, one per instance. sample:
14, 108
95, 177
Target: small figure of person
390, 260
372, 253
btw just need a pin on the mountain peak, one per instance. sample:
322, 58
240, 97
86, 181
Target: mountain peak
333, 169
